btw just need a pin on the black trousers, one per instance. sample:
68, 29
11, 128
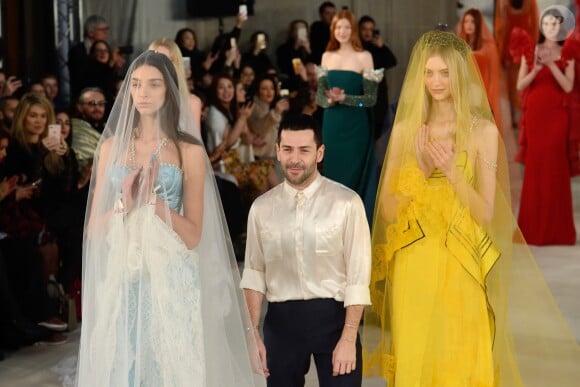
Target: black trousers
296, 330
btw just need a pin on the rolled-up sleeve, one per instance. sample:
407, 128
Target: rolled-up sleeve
357, 255
253, 276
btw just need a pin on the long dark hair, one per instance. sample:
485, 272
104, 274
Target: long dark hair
179, 39
230, 113
255, 87
169, 119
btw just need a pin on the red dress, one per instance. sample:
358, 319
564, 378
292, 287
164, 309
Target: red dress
546, 215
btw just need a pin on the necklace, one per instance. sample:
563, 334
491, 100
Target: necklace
132, 162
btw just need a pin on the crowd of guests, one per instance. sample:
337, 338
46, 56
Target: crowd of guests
238, 100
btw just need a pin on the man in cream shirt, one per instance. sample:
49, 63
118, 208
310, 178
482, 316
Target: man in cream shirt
308, 251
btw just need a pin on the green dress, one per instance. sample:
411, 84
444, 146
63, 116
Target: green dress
347, 131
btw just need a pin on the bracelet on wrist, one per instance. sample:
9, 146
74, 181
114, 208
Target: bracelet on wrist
347, 339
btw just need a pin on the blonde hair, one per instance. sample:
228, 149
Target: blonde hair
26, 102
458, 86
177, 60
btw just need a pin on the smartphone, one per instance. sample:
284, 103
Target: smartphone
284, 93
301, 34
54, 131
186, 62
243, 11
376, 33
296, 62
261, 41
233, 43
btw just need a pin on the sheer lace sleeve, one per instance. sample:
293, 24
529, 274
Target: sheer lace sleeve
371, 80
321, 98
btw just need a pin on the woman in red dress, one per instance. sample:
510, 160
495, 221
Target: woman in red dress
546, 215
473, 30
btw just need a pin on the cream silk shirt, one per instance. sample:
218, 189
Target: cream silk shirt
309, 244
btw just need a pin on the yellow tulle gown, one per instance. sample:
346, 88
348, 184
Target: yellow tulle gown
442, 326
457, 299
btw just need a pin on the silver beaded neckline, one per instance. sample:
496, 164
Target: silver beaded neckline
132, 162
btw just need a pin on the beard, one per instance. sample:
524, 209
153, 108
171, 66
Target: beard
307, 172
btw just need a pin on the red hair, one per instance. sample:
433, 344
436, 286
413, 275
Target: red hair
333, 44
477, 35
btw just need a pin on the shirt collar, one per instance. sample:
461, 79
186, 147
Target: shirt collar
308, 191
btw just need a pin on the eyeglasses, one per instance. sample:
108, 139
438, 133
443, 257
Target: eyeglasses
61, 122
95, 103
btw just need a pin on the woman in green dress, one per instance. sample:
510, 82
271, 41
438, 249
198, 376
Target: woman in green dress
347, 86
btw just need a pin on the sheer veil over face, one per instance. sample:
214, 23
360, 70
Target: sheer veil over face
161, 303
504, 269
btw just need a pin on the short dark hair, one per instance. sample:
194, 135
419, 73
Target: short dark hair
293, 121
86, 90
324, 5
366, 19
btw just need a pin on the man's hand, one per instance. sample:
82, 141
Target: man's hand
261, 353
344, 356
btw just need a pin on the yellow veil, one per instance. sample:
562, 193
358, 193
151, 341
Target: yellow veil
532, 344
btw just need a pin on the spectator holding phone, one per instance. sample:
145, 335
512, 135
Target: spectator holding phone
266, 115
227, 132
320, 30
221, 58
186, 40
21, 292
38, 154
256, 57
296, 51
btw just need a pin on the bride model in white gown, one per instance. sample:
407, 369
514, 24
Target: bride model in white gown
161, 304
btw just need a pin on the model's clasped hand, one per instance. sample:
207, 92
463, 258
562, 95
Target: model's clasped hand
138, 185
443, 155
423, 158
335, 95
